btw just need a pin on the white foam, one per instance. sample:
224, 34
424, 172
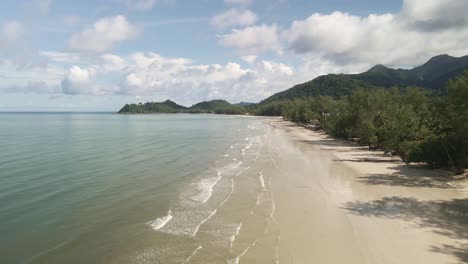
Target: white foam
205, 186
277, 250
273, 205
231, 146
160, 222
258, 199
204, 221
193, 254
233, 237
236, 259
262, 181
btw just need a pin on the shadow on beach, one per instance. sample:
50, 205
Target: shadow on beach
447, 218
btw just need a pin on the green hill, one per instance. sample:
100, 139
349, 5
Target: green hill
217, 107
327, 85
433, 75
167, 106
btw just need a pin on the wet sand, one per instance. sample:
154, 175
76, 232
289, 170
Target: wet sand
337, 202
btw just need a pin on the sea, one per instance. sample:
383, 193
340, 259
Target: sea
162, 188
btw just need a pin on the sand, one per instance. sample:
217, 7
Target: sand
337, 202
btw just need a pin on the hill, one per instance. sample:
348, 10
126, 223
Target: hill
217, 107
167, 106
334, 85
432, 75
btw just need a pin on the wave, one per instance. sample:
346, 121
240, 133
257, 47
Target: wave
193, 254
160, 222
236, 259
205, 186
262, 181
233, 237
195, 232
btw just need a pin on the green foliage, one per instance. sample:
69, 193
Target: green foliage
409, 122
449, 123
332, 85
167, 106
214, 106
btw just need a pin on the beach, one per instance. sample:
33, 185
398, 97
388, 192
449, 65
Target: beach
215, 189
337, 202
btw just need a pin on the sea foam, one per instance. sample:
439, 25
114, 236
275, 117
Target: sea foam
205, 186
160, 222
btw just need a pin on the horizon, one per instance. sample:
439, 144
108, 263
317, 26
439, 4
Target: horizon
86, 57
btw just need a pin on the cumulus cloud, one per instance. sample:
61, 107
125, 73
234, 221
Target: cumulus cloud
234, 17
152, 75
80, 81
103, 35
388, 38
435, 15
422, 29
185, 82
253, 40
251, 59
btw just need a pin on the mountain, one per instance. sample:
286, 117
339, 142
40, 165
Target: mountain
334, 85
167, 106
432, 75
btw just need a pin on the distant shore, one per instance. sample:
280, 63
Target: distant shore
342, 203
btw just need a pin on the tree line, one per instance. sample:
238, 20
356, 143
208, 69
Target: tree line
413, 123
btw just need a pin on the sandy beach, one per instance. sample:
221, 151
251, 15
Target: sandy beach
337, 202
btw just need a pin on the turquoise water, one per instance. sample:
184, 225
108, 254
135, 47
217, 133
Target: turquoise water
105, 188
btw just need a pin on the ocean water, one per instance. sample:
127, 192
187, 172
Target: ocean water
105, 188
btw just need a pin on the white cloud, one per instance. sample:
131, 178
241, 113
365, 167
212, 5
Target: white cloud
234, 17
12, 30
142, 5
435, 14
253, 40
79, 81
251, 59
187, 83
33, 78
103, 35
421, 30
239, 2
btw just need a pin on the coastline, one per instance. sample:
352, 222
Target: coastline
342, 203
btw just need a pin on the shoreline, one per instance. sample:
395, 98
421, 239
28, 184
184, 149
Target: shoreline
341, 203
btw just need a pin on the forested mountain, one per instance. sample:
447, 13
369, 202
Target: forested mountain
432, 75
334, 85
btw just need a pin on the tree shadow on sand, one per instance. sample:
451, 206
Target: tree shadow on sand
447, 218
411, 176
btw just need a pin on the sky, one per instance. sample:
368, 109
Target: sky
64, 55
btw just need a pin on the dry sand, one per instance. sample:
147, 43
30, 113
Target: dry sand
337, 202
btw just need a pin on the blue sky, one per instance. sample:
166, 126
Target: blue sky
98, 55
